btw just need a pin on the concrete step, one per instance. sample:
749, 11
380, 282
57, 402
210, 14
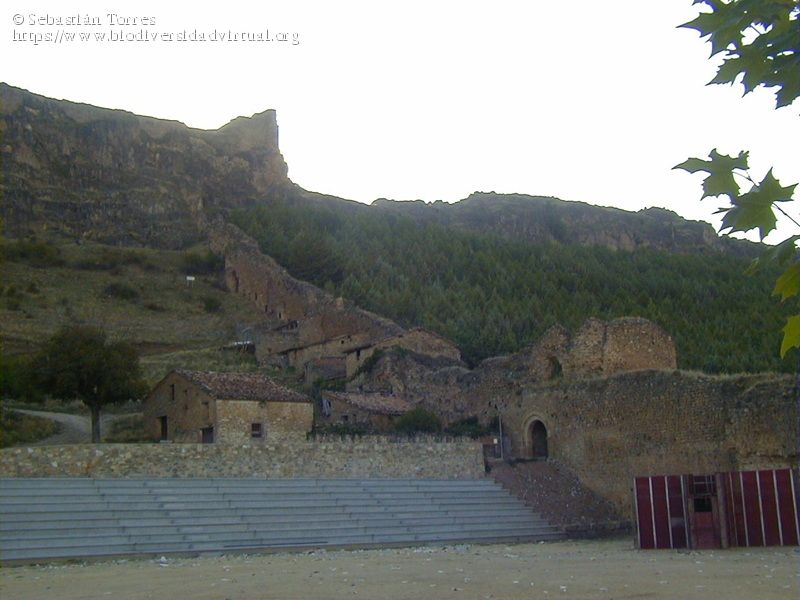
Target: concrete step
66, 518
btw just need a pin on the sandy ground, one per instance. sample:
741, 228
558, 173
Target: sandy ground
581, 569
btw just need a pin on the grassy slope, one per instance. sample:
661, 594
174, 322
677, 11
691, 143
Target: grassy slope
168, 321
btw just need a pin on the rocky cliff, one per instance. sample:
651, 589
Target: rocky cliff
539, 219
123, 178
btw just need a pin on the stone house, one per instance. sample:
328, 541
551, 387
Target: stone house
230, 408
377, 411
417, 340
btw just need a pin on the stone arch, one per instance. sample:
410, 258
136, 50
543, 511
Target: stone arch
536, 438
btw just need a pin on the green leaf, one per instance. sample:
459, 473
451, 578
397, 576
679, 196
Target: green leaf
723, 26
753, 210
720, 170
788, 284
780, 253
791, 335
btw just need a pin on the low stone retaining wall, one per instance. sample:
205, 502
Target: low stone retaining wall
340, 458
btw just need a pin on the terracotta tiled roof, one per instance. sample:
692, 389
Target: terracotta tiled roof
375, 403
242, 386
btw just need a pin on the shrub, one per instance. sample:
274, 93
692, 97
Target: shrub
342, 429
418, 420
16, 428
110, 259
13, 304
34, 252
17, 379
211, 304
202, 263
127, 430
469, 427
121, 291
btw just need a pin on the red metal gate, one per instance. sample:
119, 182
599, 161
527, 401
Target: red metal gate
748, 508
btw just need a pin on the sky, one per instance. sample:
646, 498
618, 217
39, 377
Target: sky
586, 100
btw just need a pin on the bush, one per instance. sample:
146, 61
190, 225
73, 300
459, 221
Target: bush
211, 304
127, 430
34, 252
16, 428
418, 420
110, 259
120, 291
202, 263
17, 380
342, 429
13, 304
469, 427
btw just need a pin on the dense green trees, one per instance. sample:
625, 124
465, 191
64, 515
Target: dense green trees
493, 296
79, 363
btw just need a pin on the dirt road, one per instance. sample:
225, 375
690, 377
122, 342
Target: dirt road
586, 569
74, 429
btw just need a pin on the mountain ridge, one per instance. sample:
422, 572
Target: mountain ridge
118, 177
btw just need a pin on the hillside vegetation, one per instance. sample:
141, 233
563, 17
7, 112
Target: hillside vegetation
136, 294
492, 295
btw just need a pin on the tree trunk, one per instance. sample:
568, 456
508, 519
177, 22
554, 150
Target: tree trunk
95, 424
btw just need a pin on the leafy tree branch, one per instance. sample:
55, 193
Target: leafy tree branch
758, 40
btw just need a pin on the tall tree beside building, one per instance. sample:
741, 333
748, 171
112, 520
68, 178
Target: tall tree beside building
79, 363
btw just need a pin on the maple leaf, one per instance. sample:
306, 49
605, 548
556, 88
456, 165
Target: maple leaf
720, 170
753, 209
723, 26
791, 335
788, 284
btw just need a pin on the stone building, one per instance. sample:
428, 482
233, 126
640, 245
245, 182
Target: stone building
230, 408
608, 403
417, 340
375, 411
303, 323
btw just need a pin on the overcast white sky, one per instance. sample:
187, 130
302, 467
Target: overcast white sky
583, 100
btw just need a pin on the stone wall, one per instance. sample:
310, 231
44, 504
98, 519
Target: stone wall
365, 458
280, 421
608, 430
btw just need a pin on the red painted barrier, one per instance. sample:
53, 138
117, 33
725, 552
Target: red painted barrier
747, 508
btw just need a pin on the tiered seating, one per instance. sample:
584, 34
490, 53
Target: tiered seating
42, 519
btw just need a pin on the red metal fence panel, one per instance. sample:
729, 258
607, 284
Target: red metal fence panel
751, 508
644, 514
676, 499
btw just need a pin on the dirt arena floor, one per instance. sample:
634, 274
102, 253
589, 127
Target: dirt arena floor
573, 569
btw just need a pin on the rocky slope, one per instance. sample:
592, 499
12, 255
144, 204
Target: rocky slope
118, 177
540, 219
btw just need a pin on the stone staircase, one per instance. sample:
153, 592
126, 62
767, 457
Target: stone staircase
51, 519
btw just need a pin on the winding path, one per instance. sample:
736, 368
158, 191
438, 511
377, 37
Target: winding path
73, 429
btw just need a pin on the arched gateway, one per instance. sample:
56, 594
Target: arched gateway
537, 436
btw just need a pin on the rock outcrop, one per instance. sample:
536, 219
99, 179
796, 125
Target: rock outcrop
127, 179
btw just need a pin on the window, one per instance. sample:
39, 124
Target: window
256, 430
172, 391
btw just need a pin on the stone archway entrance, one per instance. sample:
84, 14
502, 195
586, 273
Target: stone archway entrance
537, 434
